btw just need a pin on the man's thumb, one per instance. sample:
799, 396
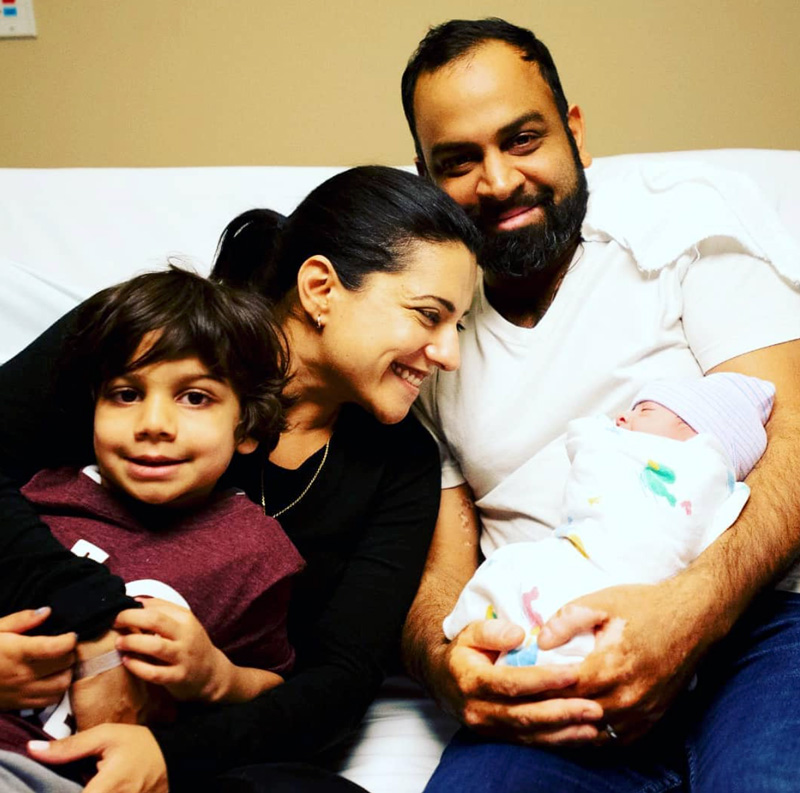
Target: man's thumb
499, 635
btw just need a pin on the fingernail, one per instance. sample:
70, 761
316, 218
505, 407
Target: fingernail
42, 610
39, 746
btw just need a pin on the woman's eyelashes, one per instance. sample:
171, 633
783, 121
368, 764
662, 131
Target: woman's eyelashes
431, 316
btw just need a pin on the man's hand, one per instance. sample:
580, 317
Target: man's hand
521, 704
128, 758
648, 641
35, 671
510, 703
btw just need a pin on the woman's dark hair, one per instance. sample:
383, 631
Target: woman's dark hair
364, 220
455, 39
231, 331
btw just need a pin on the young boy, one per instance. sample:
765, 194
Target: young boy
645, 495
183, 373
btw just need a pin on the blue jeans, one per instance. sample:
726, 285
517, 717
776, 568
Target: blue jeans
739, 730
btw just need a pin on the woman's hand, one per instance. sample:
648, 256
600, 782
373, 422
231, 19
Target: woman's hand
34, 670
172, 649
128, 758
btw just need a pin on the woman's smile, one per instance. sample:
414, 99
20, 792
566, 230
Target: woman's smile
412, 377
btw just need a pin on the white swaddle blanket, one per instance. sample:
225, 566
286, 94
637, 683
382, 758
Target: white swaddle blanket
662, 210
638, 509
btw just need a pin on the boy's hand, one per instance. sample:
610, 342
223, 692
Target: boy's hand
172, 650
34, 670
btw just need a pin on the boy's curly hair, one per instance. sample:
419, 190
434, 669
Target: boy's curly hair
231, 331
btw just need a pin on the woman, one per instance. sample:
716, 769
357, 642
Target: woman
369, 276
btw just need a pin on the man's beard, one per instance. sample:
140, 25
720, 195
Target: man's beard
538, 247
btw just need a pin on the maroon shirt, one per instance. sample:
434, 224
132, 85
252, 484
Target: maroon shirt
227, 560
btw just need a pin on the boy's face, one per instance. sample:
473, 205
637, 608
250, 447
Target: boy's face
657, 420
165, 433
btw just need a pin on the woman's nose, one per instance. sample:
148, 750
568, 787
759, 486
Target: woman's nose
445, 352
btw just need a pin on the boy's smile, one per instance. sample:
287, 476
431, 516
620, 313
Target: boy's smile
165, 433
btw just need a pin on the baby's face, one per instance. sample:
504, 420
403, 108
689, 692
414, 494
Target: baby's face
655, 419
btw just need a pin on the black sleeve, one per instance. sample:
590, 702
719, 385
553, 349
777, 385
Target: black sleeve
341, 664
43, 424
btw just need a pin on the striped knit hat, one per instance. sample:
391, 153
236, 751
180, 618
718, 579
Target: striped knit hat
732, 407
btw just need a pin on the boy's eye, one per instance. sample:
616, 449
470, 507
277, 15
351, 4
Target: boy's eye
124, 396
195, 398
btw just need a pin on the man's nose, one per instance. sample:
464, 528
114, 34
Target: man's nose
499, 178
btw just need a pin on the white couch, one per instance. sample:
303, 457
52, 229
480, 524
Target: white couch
66, 233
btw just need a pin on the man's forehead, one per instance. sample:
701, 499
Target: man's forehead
491, 84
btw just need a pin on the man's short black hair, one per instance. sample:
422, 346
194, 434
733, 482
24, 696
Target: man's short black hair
452, 40
231, 331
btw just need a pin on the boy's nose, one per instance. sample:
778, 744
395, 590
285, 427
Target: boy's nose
156, 419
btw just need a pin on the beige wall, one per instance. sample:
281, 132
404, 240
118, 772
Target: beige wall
305, 82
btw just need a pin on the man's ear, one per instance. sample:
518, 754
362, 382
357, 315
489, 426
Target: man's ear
247, 446
577, 127
316, 279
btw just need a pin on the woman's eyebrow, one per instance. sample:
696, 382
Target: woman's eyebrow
445, 303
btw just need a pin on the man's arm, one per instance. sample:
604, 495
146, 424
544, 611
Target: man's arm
500, 701
637, 668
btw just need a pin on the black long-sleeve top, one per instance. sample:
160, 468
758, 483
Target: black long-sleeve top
363, 528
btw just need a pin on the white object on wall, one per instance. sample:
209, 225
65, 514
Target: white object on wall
17, 19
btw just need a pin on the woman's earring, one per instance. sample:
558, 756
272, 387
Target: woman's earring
319, 321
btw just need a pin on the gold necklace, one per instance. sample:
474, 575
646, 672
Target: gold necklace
305, 490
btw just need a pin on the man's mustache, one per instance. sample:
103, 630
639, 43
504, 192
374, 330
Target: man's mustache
489, 210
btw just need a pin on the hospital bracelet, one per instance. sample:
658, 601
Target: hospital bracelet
97, 665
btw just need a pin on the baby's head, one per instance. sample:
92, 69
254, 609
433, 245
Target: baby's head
183, 373
732, 407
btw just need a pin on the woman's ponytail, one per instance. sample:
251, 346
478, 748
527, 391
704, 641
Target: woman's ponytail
247, 250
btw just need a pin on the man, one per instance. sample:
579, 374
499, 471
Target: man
562, 327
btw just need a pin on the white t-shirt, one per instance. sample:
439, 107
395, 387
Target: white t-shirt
609, 330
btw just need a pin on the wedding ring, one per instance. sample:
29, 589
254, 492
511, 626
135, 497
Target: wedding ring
610, 732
